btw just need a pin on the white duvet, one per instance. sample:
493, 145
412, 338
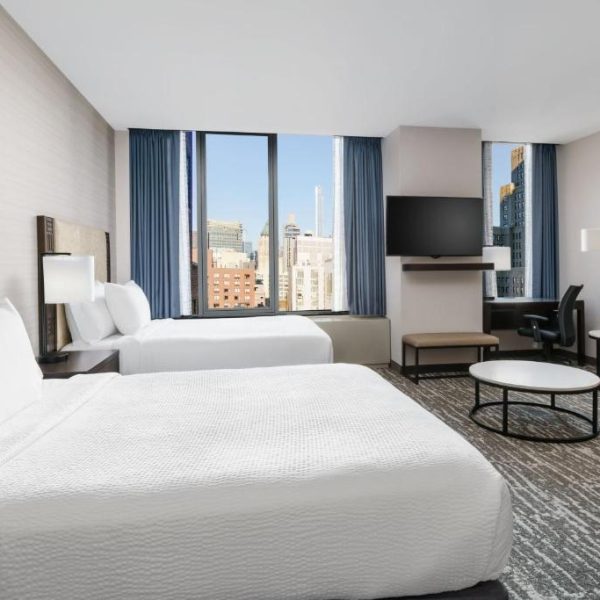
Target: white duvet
230, 343
315, 482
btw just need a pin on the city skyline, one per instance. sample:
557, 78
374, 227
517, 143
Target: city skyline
510, 231
237, 181
501, 173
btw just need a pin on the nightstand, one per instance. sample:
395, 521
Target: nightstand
81, 363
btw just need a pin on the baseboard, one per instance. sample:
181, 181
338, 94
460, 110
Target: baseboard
589, 360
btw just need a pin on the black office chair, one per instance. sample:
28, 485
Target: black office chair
560, 329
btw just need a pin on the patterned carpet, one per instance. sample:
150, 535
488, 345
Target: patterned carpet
555, 487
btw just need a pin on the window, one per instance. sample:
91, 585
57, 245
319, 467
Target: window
232, 214
263, 234
306, 216
507, 185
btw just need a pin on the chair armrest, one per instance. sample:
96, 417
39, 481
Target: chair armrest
536, 318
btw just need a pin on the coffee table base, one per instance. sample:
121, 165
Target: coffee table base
505, 403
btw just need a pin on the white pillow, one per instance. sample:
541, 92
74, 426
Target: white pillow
20, 375
92, 321
128, 306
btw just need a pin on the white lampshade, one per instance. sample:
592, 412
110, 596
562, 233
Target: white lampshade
590, 239
68, 278
499, 255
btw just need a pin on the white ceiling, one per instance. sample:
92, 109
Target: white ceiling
522, 70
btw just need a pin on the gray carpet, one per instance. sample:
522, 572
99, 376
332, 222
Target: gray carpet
555, 487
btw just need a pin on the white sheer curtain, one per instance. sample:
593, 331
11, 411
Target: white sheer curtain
185, 284
528, 224
340, 297
490, 284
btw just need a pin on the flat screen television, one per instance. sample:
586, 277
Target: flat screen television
434, 226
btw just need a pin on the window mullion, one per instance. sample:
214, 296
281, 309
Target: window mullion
273, 226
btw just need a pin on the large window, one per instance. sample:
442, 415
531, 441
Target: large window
263, 238
507, 184
235, 213
305, 208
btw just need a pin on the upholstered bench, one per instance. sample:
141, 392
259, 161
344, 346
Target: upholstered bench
483, 342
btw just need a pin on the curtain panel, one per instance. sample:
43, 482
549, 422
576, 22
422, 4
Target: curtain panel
155, 217
490, 287
363, 225
544, 206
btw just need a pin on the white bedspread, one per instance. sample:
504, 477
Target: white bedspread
232, 343
294, 482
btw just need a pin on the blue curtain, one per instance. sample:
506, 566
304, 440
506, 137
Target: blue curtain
154, 181
363, 226
544, 208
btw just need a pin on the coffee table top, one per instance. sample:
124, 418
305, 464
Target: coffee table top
595, 333
534, 376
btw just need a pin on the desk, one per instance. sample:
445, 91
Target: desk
507, 313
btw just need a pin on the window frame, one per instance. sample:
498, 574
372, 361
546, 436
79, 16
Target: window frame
204, 309
526, 241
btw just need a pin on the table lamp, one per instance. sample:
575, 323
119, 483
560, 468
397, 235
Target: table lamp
66, 279
500, 257
590, 239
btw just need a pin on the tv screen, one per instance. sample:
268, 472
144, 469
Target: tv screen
428, 226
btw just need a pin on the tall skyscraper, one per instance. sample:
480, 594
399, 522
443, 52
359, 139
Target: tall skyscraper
319, 211
511, 231
226, 234
262, 256
311, 276
291, 231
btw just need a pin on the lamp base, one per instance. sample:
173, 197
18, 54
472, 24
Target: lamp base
53, 357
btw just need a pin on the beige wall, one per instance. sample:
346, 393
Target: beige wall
56, 158
578, 166
427, 161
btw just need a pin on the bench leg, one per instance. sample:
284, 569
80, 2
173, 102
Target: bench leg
417, 366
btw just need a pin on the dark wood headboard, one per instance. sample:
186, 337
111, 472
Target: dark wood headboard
59, 236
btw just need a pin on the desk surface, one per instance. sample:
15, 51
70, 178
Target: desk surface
519, 299
522, 300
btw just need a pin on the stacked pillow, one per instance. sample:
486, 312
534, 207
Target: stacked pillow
90, 321
128, 306
20, 375
122, 308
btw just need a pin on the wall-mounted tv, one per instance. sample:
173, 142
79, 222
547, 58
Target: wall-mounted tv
434, 226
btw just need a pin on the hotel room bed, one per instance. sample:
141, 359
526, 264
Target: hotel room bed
299, 482
178, 344
198, 344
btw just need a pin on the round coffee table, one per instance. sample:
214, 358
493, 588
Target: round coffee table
536, 378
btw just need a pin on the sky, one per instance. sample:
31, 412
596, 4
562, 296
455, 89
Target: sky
237, 180
501, 169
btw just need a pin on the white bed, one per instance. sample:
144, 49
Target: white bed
300, 482
166, 344
195, 344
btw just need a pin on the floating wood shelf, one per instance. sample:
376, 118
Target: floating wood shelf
478, 266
